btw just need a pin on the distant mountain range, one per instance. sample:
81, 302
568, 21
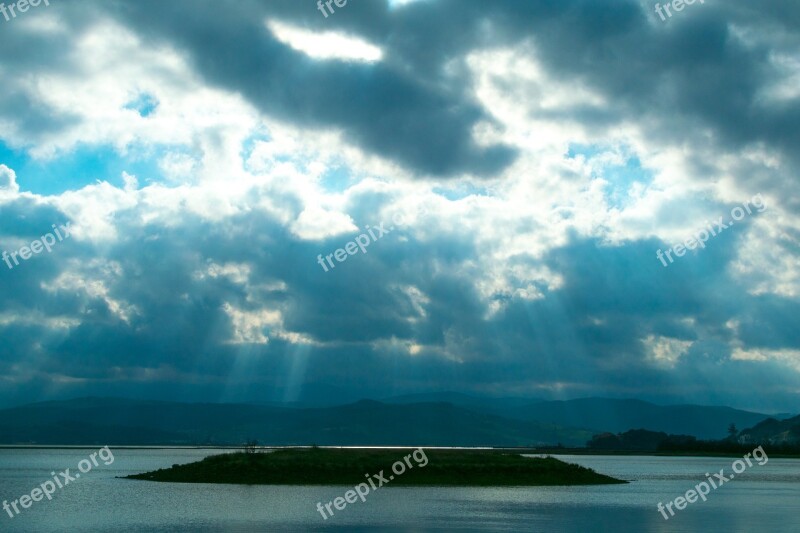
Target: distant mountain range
599, 415
115, 421
772, 431
703, 422
485, 404
461, 420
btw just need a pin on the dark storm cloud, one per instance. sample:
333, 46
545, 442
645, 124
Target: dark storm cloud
383, 108
417, 107
409, 108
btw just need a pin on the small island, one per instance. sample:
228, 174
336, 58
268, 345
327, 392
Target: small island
324, 466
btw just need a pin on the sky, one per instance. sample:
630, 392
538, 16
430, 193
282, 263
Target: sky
530, 164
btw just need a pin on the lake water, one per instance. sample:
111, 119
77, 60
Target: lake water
762, 498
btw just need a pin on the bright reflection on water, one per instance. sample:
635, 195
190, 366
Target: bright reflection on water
763, 498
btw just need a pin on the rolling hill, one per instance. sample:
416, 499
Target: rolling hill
616, 416
117, 421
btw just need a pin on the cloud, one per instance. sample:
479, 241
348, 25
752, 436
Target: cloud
326, 45
539, 155
8, 180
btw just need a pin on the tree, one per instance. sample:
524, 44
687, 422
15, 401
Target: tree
732, 431
250, 446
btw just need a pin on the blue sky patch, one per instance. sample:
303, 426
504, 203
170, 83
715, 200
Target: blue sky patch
77, 169
145, 104
620, 178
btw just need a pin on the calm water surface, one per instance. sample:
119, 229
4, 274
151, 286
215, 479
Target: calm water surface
762, 499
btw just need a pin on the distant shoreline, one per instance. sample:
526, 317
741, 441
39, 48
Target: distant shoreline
698, 453
521, 451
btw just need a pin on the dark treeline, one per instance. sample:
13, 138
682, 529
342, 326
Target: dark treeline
642, 440
726, 446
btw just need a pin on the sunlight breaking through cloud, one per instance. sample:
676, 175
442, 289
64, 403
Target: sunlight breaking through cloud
327, 45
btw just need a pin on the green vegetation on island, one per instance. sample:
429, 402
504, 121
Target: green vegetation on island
320, 466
